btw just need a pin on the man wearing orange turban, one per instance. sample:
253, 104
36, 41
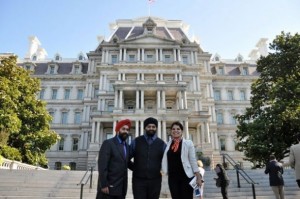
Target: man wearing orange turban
112, 164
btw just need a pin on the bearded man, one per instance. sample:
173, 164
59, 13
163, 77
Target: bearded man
147, 151
112, 164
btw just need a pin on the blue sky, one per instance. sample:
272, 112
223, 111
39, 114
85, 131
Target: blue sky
68, 27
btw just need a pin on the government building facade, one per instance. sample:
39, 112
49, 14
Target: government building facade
149, 67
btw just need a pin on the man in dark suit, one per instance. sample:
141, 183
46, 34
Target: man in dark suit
112, 164
275, 171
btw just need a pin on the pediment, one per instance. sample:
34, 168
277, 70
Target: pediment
149, 39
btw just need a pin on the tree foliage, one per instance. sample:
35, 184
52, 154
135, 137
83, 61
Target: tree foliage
269, 126
23, 118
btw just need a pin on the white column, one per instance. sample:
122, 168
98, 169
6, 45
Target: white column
139, 54
103, 56
120, 54
203, 140
143, 78
103, 105
137, 99
174, 55
159, 129
142, 128
156, 55
99, 105
198, 83
100, 82
207, 131
160, 56
121, 99
101, 134
125, 55
180, 100
123, 77
164, 131
176, 79
93, 132
157, 77
186, 129
184, 100
196, 105
179, 55
116, 98
196, 58
194, 83
98, 132
138, 76
143, 54
104, 82
198, 135
163, 99
192, 57
216, 141
158, 99
114, 127
136, 128
142, 99
106, 56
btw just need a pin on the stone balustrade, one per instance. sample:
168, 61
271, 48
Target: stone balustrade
15, 165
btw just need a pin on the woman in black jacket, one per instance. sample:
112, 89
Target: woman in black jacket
223, 178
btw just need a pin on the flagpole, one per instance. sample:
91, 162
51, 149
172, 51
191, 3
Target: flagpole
149, 8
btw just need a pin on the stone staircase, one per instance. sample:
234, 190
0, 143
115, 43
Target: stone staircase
25, 184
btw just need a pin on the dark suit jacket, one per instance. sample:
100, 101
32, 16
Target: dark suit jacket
275, 171
112, 167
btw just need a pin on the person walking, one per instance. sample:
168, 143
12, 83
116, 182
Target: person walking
275, 171
294, 159
147, 151
112, 164
223, 179
180, 164
202, 171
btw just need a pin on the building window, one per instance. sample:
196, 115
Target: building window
72, 165
131, 58
242, 95
220, 118
27, 67
76, 69
67, 94
61, 144
57, 166
57, 58
110, 108
64, 118
130, 107
217, 95
114, 59
42, 94
80, 57
150, 58
96, 91
80, 94
232, 119
222, 144
77, 118
230, 95
52, 69
75, 144
54, 94
244, 71
185, 59
169, 107
221, 70
167, 58
34, 58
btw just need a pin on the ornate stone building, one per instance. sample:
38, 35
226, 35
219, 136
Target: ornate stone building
148, 67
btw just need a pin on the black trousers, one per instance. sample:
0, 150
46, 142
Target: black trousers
179, 187
101, 195
224, 191
298, 182
146, 188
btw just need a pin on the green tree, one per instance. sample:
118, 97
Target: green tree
24, 120
269, 126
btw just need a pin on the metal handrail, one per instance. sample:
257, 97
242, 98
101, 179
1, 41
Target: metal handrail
84, 181
240, 171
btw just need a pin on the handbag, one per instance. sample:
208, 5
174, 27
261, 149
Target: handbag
218, 182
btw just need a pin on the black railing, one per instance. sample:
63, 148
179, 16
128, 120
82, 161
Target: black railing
87, 176
240, 171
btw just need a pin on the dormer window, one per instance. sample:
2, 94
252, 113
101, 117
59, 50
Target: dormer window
81, 57
52, 69
28, 67
239, 58
149, 26
57, 57
244, 70
34, 58
77, 68
220, 70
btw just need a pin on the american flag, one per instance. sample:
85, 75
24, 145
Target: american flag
151, 1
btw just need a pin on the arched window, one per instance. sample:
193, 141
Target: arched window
72, 165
